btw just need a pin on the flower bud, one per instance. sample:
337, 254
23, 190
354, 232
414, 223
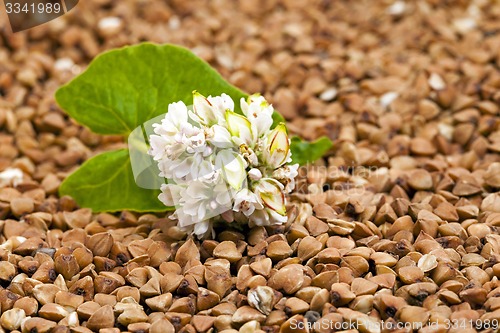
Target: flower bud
278, 147
254, 174
239, 127
232, 166
204, 112
271, 193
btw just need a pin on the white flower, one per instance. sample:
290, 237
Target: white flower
194, 140
249, 155
219, 136
221, 103
174, 120
199, 201
204, 229
271, 194
204, 112
170, 194
192, 167
233, 167
240, 128
160, 146
265, 217
209, 111
167, 143
259, 112
246, 202
286, 175
222, 166
277, 147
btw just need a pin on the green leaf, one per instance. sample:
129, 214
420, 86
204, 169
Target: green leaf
277, 119
105, 183
304, 152
123, 88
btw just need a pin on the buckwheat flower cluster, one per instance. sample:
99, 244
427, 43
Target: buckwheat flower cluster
223, 166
